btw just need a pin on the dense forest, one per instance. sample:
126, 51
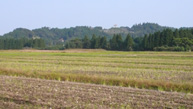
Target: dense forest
11, 43
168, 40
116, 43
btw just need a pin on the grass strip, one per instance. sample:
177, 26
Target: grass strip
113, 81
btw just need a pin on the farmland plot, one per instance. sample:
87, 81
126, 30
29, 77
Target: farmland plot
168, 71
68, 79
20, 92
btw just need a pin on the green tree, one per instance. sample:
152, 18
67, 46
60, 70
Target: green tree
1, 44
145, 42
97, 42
113, 43
156, 39
119, 42
168, 37
151, 42
128, 43
176, 33
103, 42
86, 42
161, 42
93, 41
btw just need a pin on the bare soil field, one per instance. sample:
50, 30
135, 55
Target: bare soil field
21, 92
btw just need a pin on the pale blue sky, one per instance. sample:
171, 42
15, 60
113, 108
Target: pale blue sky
33, 14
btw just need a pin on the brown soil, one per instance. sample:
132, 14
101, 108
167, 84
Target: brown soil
20, 92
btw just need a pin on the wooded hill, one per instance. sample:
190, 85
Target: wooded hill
55, 36
146, 36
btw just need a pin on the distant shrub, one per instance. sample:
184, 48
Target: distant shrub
57, 47
166, 48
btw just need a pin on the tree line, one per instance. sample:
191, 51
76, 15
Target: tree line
168, 40
11, 43
115, 43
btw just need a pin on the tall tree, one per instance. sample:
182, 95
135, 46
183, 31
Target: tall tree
128, 43
161, 39
86, 42
156, 39
103, 42
1, 44
145, 42
93, 41
176, 33
113, 43
119, 42
168, 37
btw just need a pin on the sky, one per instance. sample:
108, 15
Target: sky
33, 14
